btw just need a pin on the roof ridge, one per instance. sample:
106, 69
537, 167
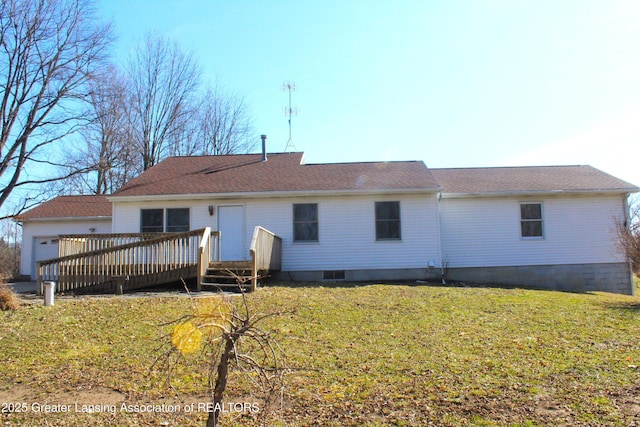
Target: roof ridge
513, 167
232, 155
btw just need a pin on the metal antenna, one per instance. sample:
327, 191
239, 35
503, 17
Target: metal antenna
289, 112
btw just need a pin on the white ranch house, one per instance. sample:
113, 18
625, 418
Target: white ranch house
543, 227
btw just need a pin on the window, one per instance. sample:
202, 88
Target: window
177, 220
531, 219
388, 221
305, 222
151, 221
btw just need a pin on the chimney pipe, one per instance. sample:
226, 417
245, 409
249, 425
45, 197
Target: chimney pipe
264, 147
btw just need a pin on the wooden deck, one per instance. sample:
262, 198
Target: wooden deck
123, 262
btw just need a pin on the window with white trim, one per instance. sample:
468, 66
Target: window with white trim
387, 220
151, 220
531, 223
177, 220
171, 220
305, 222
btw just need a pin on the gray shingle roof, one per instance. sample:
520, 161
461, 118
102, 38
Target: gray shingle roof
282, 172
287, 172
70, 207
529, 179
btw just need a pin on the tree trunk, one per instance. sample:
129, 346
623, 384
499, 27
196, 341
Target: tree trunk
221, 381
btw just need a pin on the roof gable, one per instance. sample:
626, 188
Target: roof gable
282, 172
70, 207
529, 179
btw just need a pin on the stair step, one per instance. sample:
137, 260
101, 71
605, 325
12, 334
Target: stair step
210, 277
225, 285
230, 264
228, 271
227, 274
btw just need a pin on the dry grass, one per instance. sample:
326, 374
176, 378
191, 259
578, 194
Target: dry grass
361, 356
8, 299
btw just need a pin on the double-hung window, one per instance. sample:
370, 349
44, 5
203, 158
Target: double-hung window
170, 220
531, 220
305, 222
177, 220
151, 220
388, 221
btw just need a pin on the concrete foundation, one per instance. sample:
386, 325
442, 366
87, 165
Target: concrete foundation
609, 277
364, 275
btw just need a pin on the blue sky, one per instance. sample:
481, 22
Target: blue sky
452, 83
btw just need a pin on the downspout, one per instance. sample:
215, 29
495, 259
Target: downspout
627, 219
439, 219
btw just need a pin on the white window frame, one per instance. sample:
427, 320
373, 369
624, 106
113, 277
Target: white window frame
165, 218
376, 220
541, 220
317, 222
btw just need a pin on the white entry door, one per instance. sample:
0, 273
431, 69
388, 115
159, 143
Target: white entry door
231, 226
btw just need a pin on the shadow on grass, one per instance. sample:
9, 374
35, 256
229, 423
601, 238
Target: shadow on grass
358, 284
344, 283
630, 306
413, 283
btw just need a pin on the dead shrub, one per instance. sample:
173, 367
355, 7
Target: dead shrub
629, 237
8, 299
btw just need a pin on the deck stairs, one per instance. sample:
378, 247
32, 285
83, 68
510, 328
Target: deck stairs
227, 275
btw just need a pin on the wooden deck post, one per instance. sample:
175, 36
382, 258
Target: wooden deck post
39, 290
119, 285
200, 267
254, 272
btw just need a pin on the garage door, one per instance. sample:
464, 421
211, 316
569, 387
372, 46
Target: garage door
44, 248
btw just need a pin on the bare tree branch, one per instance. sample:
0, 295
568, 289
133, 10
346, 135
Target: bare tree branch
223, 126
163, 83
629, 236
48, 50
107, 152
233, 340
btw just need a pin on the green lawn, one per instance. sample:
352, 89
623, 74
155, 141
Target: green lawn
366, 355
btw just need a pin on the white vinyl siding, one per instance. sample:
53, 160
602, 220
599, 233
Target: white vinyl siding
487, 231
346, 228
347, 238
33, 230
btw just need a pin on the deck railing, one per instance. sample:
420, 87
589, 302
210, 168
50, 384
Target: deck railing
208, 250
142, 256
72, 244
266, 253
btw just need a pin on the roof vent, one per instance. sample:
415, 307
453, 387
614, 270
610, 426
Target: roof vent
264, 147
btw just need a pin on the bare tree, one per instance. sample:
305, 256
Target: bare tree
153, 111
163, 83
629, 237
223, 126
49, 48
10, 236
107, 154
233, 341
